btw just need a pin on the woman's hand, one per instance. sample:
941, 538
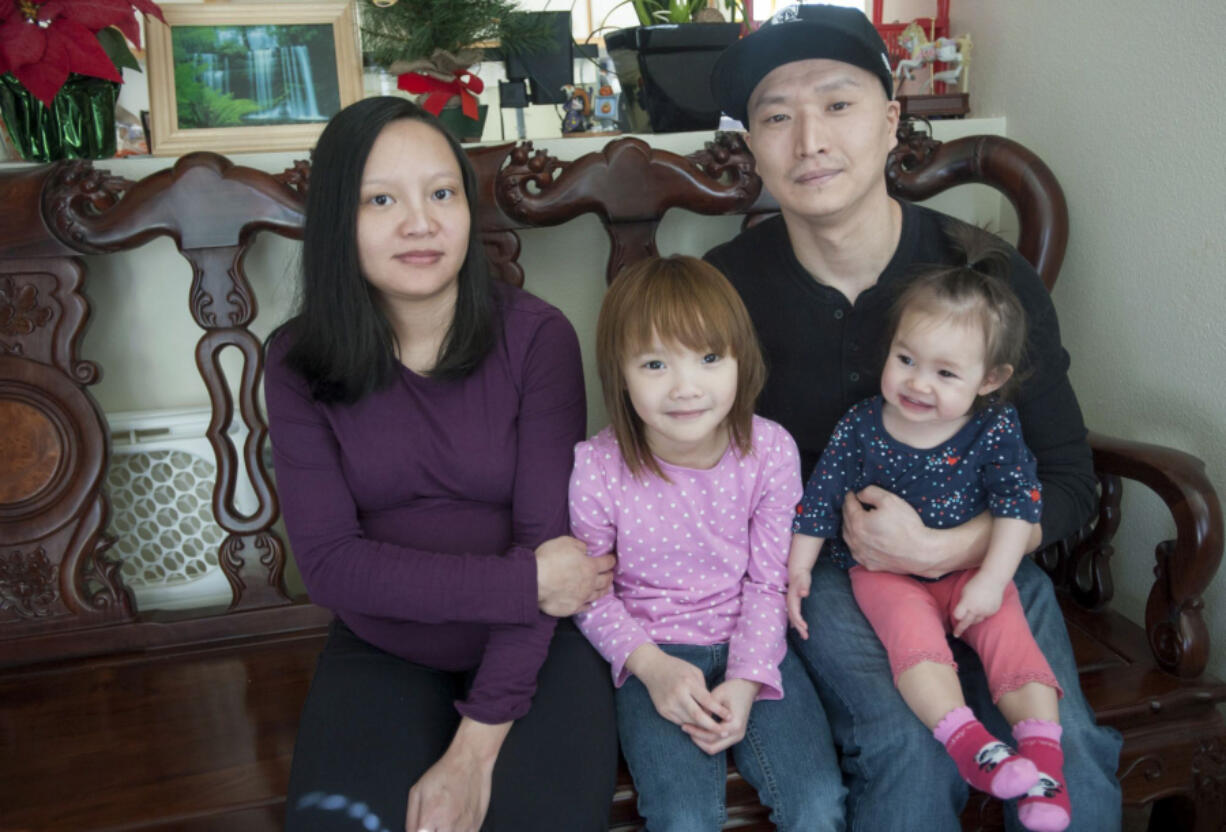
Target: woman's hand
677, 689
454, 793
981, 597
738, 696
452, 796
567, 580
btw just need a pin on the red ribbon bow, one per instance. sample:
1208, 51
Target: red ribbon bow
440, 92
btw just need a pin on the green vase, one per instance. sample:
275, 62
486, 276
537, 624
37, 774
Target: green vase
79, 124
465, 129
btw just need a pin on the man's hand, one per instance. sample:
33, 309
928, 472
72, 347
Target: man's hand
981, 597
737, 695
891, 537
677, 689
887, 538
567, 580
454, 793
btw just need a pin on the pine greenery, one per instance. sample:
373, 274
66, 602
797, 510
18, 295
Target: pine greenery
413, 29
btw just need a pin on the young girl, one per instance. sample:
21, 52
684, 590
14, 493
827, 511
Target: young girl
696, 495
940, 437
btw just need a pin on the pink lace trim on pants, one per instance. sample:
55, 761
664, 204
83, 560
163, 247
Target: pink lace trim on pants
1014, 681
1002, 686
903, 663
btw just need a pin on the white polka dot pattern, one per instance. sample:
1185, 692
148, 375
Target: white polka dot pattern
701, 560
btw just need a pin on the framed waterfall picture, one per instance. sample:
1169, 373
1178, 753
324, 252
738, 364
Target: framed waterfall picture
249, 77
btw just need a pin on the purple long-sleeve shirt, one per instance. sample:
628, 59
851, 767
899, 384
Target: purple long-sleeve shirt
413, 513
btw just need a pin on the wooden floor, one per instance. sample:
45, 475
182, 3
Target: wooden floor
154, 743
202, 740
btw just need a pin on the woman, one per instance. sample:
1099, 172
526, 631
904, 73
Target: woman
422, 421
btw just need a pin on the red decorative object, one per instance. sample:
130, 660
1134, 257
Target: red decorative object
42, 41
937, 27
439, 92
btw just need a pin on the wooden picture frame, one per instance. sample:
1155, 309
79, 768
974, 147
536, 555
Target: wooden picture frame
256, 90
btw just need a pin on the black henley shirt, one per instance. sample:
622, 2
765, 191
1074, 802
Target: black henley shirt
824, 354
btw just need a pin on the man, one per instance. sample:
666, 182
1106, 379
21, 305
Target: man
813, 88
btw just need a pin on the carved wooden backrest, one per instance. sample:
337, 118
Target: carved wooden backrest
630, 186
60, 595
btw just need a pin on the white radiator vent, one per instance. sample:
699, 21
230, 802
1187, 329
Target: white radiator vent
160, 485
160, 503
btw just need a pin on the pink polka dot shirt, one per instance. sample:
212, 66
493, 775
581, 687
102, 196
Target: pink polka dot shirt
701, 560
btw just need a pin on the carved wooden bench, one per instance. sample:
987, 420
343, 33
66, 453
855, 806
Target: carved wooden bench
111, 718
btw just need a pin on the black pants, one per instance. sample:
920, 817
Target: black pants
373, 723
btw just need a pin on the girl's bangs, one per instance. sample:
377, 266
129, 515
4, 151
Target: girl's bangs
686, 312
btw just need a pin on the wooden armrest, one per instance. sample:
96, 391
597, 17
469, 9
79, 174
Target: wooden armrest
921, 167
1176, 629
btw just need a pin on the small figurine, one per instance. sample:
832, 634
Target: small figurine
576, 110
955, 52
604, 106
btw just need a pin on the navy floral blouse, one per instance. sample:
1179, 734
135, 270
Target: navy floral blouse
984, 465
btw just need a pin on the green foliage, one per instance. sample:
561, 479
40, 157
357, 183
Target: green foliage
192, 40
305, 34
650, 12
734, 7
413, 29
116, 47
522, 33
202, 106
231, 49
666, 11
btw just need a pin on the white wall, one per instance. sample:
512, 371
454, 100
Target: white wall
1123, 99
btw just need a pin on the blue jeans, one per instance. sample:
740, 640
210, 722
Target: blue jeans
899, 777
787, 755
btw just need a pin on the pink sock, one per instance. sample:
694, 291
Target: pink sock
1045, 808
984, 761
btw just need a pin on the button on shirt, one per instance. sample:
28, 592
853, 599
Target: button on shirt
811, 337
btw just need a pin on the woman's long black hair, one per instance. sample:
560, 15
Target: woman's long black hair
342, 342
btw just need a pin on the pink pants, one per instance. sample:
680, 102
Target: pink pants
912, 619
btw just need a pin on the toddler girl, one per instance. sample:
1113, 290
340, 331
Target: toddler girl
696, 495
940, 437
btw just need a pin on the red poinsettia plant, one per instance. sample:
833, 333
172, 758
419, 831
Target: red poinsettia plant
42, 41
